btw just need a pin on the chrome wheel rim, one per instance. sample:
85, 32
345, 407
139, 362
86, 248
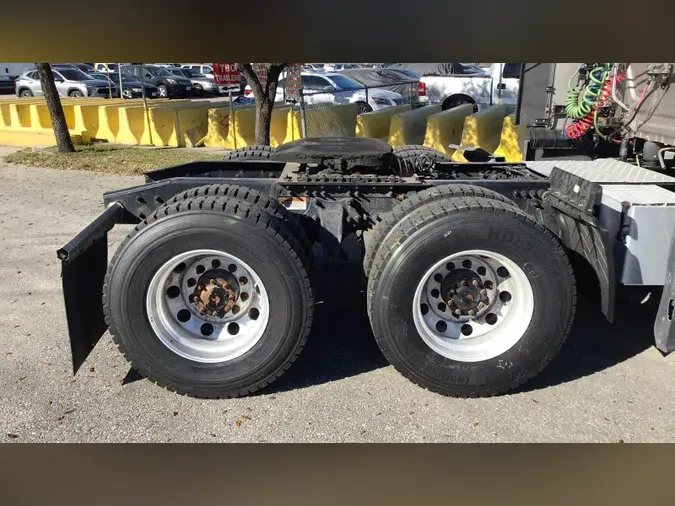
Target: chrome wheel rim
207, 306
473, 306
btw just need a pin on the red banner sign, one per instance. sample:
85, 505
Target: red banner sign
293, 82
226, 74
261, 71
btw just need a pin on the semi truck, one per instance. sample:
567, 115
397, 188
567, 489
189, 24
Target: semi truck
472, 269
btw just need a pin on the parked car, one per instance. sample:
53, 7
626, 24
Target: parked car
201, 84
336, 67
84, 67
499, 85
70, 82
107, 67
470, 68
203, 68
103, 76
336, 88
6, 84
168, 85
131, 88
402, 81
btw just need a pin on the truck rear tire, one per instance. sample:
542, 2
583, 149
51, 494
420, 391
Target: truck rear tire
412, 158
210, 297
389, 221
470, 297
252, 153
253, 197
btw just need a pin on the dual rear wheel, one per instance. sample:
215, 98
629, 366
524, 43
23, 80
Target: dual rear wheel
211, 295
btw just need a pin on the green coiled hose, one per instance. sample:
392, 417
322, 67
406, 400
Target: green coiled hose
576, 109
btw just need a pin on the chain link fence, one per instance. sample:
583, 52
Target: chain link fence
320, 117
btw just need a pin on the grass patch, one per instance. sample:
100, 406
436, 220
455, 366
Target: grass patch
110, 158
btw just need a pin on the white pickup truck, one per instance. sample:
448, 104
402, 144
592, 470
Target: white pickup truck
498, 85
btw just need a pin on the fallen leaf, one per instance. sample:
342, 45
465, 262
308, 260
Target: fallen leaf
245, 417
535, 401
91, 369
213, 435
475, 425
175, 413
22, 378
12, 436
272, 397
237, 422
46, 363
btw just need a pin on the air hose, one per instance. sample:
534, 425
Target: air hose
595, 96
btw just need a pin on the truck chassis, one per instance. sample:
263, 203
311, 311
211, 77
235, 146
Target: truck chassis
474, 247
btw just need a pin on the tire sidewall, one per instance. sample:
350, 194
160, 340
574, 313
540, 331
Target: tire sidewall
530, 248
168, 237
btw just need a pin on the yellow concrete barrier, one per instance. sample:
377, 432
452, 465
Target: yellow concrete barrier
241, 129
445, 128
218, 121
108, 122
293, 127
134, 127
193, 125
512, 140
33, 138
481, 130
279, 125
19, 115
164, 127
238, 132
410, 127
375, 125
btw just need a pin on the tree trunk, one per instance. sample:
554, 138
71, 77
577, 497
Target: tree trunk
263, 120
64, 143
264, 98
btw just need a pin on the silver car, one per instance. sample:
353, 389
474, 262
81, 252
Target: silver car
202, 84
70, 82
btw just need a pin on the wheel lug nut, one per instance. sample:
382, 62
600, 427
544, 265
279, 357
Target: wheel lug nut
483, 291
475, 282
472, 312
458, 312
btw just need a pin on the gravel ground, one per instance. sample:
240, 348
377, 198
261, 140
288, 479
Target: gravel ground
608, 384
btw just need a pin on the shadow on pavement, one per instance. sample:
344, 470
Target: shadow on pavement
594, 344
341, 343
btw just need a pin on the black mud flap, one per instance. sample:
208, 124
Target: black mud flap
664, 331
84, 261
575, 201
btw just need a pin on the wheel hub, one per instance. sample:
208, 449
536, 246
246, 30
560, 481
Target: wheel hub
464, 292
473, 305
216, 293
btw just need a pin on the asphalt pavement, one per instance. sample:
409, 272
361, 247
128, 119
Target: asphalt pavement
608, 384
